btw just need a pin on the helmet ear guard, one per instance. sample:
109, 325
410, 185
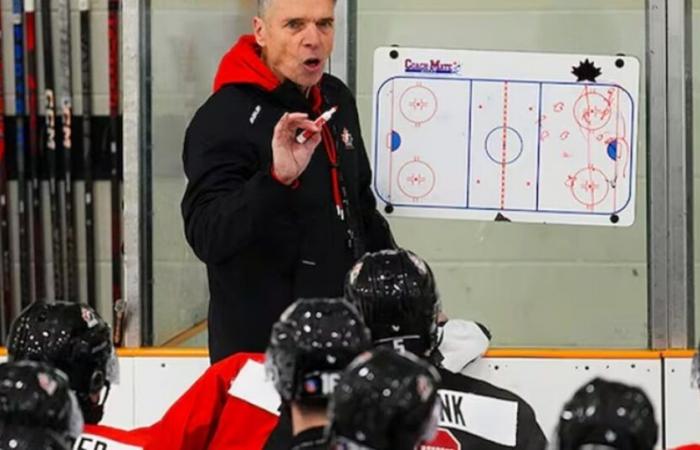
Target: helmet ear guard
97, 381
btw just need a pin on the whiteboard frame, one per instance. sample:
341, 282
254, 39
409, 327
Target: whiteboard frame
392, 63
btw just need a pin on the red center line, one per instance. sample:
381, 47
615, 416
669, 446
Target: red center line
618, 147
504, 146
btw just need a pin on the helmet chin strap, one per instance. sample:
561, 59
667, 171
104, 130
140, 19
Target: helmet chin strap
93, 404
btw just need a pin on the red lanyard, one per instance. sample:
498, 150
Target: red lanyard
331, 151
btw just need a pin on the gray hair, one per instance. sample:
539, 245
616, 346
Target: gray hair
263, 6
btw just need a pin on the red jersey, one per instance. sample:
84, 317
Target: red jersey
231, 406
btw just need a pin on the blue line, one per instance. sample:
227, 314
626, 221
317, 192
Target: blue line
376, 149
469, 142
629, 197
539, 142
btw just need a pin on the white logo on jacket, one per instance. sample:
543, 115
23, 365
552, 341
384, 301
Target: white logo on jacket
254, 115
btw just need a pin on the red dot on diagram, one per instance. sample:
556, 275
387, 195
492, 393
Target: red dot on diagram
559, 107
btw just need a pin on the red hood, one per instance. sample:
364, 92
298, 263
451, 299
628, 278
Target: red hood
242, 65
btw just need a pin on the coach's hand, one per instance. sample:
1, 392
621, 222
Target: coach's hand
290, 158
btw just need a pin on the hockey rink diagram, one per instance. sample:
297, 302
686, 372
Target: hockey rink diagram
536, 150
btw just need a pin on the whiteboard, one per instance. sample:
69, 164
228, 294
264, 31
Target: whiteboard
509, 136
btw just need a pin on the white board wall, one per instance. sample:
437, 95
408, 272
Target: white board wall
547, 383
149, 385
682, 404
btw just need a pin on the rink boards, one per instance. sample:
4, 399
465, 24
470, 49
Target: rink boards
149, 384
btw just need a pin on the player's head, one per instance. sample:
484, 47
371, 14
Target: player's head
73, 338
385, 401
35, 394
310, 345
609, 415
22, 437
396, 294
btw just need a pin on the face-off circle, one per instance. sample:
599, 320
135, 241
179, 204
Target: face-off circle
418, 104
503, 145
416, 179
592, 111
589, 186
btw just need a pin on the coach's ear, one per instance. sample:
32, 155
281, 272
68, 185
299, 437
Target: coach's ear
260, 31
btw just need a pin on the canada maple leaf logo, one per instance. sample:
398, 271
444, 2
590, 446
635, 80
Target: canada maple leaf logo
586, 71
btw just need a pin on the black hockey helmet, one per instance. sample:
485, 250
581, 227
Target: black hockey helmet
396, 294
608, 414
310, 345
385, 401
20, 437
73, 338
36, 394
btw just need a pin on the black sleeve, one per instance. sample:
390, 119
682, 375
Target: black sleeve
281, 436
228, 196
377, 232
530, 435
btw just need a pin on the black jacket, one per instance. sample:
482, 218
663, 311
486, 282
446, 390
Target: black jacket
456, 393
311, 439
266, 244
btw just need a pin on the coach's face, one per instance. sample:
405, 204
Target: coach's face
296, 37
